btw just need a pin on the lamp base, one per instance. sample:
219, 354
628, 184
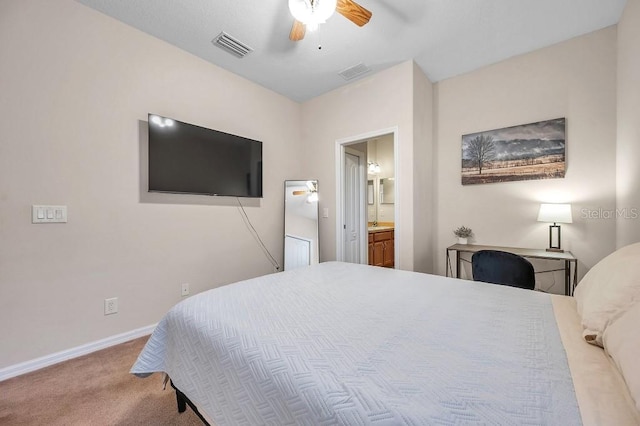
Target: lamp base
554, 239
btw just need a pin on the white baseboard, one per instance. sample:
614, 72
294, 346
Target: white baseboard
45, 361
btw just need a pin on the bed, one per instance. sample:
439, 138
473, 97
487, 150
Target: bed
346, 344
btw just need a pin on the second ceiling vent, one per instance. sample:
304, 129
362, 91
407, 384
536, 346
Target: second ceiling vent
354, 71
231, 45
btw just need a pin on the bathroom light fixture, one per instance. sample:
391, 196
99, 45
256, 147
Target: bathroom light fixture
312, 12
555, 213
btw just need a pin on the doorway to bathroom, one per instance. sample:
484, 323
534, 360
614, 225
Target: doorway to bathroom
367, 202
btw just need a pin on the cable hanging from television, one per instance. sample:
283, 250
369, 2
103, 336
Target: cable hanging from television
253, 231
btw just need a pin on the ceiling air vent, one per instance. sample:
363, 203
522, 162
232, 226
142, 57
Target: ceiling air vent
231, 45
354, 71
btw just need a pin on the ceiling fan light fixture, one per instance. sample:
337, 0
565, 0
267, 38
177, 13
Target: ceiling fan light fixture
312, 198
312, 12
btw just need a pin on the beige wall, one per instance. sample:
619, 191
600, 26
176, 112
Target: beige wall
423, 155
575, 79
75, 90
628, 148
381, 101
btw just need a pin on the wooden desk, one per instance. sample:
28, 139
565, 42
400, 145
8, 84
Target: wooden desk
566, 257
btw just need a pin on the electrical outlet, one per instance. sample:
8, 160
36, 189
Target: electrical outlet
111, 306
185, 289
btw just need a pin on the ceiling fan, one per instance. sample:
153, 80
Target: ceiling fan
308, 14
312, 191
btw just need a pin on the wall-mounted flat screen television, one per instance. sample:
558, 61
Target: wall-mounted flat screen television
189, 159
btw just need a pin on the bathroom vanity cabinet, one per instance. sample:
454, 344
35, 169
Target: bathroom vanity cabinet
381, 248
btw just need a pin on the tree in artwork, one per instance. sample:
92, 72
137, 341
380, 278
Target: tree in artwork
482, 150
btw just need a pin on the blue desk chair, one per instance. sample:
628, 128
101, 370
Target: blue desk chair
501, 267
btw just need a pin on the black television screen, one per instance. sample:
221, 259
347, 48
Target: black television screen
184, 158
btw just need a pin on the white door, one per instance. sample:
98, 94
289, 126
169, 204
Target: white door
351, 233
297, 252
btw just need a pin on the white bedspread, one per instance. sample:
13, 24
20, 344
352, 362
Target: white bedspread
351, 344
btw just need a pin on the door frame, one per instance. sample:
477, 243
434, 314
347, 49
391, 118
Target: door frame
340, 149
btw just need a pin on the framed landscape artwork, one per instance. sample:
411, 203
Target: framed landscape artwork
525, 152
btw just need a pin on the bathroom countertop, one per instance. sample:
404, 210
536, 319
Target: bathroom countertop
380, 228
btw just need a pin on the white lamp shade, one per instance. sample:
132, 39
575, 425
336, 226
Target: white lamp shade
312, 12
555, 213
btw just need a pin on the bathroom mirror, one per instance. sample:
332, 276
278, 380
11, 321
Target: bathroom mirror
387, 191
372, 205
370, 192
300, 223
381, 181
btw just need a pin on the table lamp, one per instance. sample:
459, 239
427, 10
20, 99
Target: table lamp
555, 213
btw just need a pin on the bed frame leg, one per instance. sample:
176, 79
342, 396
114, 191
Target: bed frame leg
180, 399
182, 404
183, 401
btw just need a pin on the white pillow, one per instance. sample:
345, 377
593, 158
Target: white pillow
607, 290
622, 342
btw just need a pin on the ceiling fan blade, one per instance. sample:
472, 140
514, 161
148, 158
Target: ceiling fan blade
353, 12
299, 192
297, 31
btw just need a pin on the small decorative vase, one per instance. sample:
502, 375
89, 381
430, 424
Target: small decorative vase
462, 240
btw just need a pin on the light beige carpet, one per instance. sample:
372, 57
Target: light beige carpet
95, 389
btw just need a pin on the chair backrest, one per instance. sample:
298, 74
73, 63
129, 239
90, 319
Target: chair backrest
501, 267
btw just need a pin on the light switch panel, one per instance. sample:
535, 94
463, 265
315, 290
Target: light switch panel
48, 214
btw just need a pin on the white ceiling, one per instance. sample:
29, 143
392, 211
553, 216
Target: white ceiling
444, 37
